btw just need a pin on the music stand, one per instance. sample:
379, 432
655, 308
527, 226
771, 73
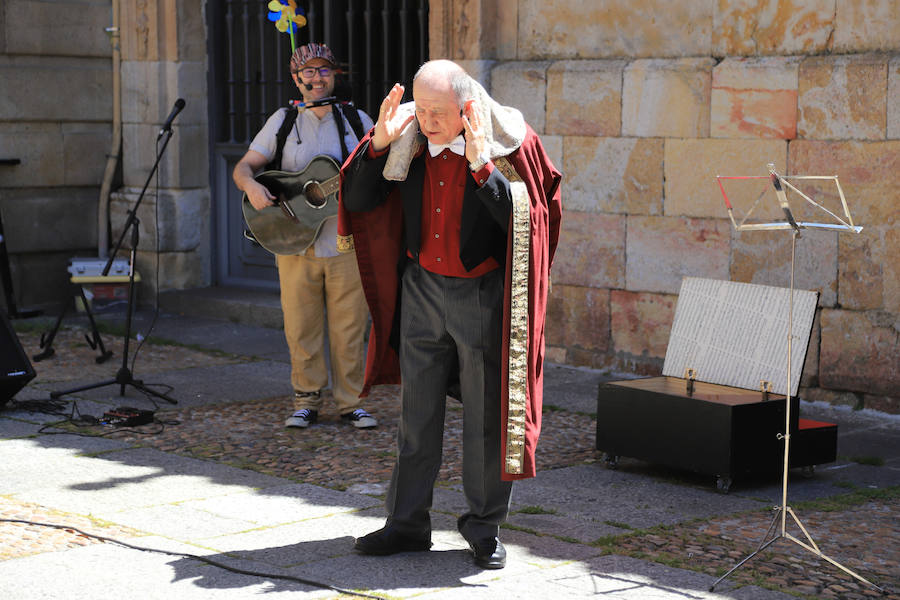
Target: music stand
845, 224
124, 376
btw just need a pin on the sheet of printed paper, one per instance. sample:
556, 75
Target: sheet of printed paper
736, 334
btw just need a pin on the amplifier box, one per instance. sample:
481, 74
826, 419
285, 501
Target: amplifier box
93, 267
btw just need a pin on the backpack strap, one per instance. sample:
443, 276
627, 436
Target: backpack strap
352, 115
342, 131
290, 118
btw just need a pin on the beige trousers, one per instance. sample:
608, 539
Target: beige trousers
313, 289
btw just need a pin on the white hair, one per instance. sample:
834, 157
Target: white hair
450, 72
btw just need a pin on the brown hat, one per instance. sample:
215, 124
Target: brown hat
304, 54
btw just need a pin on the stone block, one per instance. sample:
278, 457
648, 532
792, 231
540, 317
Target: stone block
142, 85
890, 270
764, 257
584, 97
864, 25
140, 30
524, 86
479, 70
189, 21
185, 163
507, 29
64, 28
691, 167
183, 219
164, 30
578, 317
869, 270
49, 88
842, 97
766, 27
591, 251
667, 98
860, 352
834, 397
867, 172
150, 89
41, 280
578, 357
38, 147
555, 355
615, 175
177, 271
591, 29
467, 29
46, 219
893, 99
640, 322
660, 251
553, 146
85, 151
885, 404
809, 377
754, 98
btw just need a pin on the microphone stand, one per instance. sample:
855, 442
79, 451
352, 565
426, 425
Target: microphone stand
124, 377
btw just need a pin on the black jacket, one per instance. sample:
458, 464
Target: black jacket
485, 213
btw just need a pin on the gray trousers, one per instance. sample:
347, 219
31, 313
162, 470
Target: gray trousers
449, 321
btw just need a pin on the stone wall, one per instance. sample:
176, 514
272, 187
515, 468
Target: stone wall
164, 58
56, 117
55, 108
641, 103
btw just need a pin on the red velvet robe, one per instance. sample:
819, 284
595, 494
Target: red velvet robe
378, 240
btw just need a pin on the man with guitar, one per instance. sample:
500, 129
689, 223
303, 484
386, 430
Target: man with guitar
317, 282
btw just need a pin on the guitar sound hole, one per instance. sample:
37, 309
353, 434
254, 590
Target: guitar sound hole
314, 195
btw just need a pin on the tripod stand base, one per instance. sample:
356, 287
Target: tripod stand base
123, 378
94, 340
782, 512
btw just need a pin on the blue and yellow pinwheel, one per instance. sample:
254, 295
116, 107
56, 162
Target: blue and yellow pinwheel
287, 17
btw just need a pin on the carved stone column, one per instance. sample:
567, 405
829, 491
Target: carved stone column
164, 58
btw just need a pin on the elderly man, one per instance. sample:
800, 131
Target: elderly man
454, 210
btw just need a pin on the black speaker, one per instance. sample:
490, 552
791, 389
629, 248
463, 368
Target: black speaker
15, 368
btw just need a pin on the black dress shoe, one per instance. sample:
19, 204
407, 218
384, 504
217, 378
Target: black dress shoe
388, 540
489, 553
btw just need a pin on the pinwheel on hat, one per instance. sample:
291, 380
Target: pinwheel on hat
288, 17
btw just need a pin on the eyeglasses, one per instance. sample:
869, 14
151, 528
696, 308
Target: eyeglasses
311, 71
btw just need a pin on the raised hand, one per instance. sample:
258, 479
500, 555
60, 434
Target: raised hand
476, 144
391, 121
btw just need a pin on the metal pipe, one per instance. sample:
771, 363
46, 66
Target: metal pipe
112, 159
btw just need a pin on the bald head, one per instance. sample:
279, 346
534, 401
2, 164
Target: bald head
444, 76
440, 90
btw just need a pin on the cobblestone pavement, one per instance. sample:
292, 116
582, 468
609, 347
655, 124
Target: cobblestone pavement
862, 531
22, 539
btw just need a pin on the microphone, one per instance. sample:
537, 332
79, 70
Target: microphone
311, 104
308, 87
167, 126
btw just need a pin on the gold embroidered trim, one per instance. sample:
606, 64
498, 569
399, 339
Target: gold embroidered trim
518, 326
345, 243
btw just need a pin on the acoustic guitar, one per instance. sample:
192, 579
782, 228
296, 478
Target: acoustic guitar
303, 200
